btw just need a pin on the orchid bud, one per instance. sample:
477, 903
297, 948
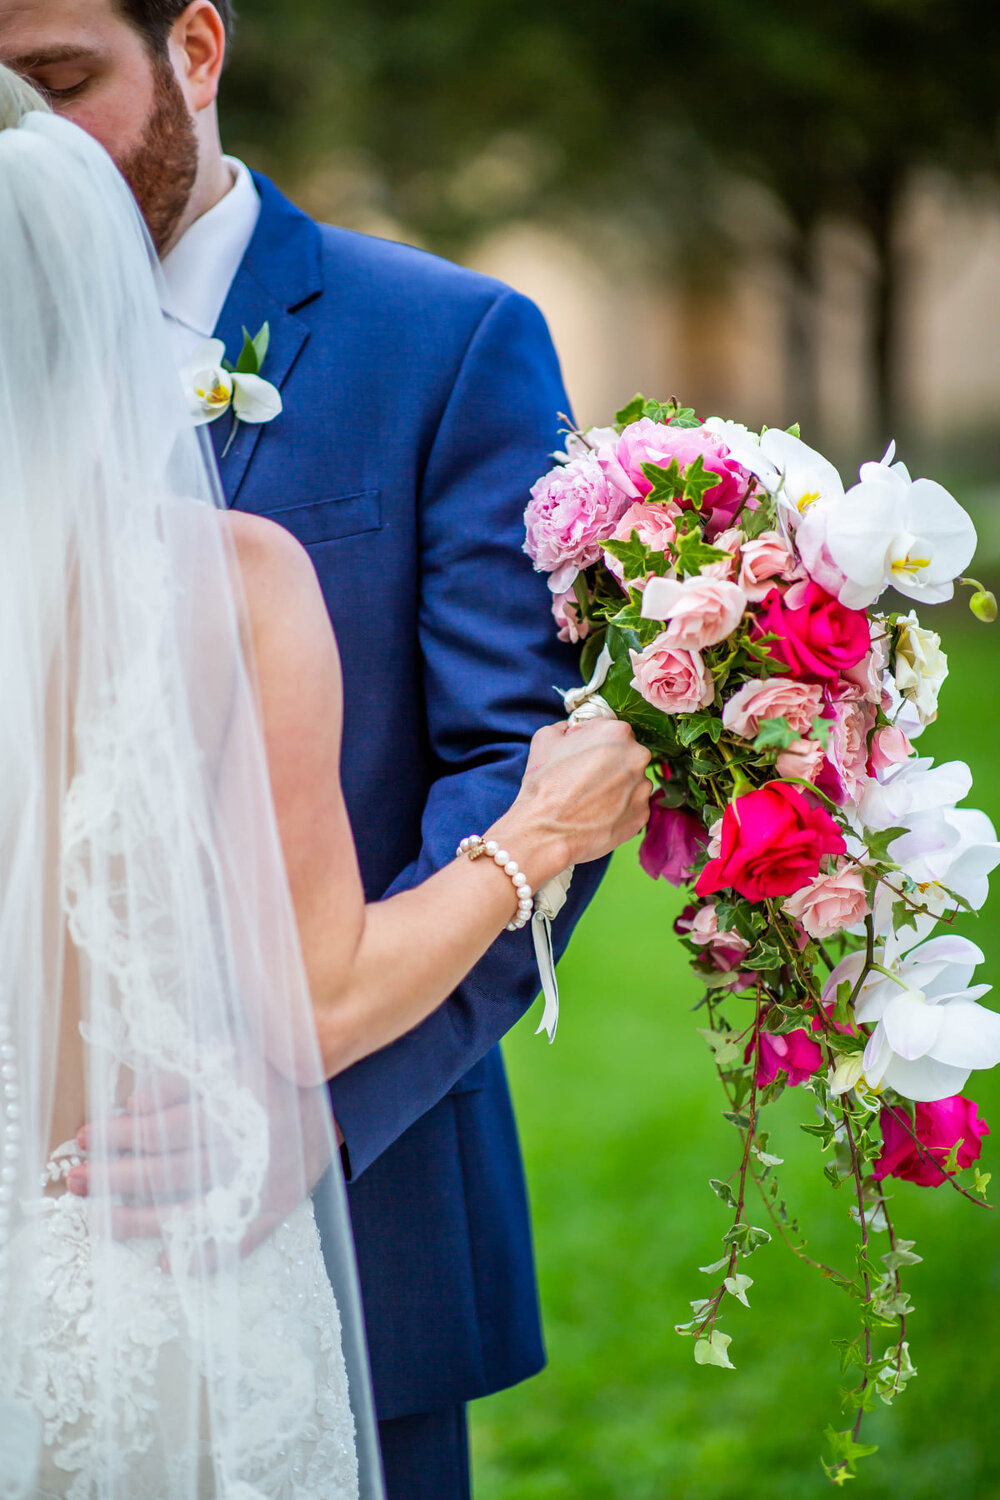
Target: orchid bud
984, 605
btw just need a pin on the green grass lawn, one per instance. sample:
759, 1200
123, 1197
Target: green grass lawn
621, 1128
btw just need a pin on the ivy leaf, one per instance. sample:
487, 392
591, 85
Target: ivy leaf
631, 412
693, 554
668, 482
878, 843
724, 1045
692, 727
716, 1265
633, 555
698, 481
902, 1255
981, 1182
775, 734
722, 1190
738, 1286
762, 957
951, 1160
821, 732
845, 1453
714, 1350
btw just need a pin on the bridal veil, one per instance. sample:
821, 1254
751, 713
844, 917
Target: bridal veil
176, 1345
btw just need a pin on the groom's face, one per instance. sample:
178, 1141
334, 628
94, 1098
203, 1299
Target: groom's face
99, 72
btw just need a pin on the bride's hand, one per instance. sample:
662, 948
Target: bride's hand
585, 791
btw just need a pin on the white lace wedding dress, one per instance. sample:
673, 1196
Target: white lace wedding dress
298, 1439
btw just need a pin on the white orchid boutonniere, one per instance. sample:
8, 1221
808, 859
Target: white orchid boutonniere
213, 385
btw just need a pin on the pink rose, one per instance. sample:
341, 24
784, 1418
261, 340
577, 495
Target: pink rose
777, 698
847, 752
804, 758
647, 442
672, 842
566, 613
655, 525
673, 680
889, 748
572, 510
728, 541
794, 1053
829, 903
767, 557
938, 1127
817, 638
723, 950
773, 841
700, 611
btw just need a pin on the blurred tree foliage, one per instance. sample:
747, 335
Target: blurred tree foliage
471, 113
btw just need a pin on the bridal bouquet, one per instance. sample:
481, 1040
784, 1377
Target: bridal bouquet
725, 588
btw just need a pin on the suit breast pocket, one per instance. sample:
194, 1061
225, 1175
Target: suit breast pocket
330, 520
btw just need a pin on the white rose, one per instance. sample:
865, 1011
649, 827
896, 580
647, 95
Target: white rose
921, 667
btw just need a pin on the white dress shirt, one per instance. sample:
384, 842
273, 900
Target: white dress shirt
201, 267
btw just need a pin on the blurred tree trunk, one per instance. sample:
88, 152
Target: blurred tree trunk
883, 192
801, 342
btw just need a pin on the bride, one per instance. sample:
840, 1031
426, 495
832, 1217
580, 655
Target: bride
185, 950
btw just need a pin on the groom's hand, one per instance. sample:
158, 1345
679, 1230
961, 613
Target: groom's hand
155, 1154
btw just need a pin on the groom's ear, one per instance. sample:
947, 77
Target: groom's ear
197, 46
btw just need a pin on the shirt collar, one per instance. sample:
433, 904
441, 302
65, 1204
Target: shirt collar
201, 267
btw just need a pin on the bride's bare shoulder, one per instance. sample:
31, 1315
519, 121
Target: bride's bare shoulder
263, 547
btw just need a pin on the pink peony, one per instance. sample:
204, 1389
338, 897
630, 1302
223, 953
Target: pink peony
572, 510
655, 526
889, 748
805, 759
817, 638
763, 560
672, 680
777, 698
647, 442
847, 753
700, 611
773, 841
938, 1127
727, 541
830, 903
672, 842
566, 613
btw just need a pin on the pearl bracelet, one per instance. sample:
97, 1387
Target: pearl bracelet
474, 847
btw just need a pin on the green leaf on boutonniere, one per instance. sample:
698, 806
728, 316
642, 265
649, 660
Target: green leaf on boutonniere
248, 363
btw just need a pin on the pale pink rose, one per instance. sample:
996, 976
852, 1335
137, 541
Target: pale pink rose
727, 541
701, 611
572, 510
847, 752
673, 680
566, 613
889, 747
715, 839
805, 759
655, 526
776, 698
830, 903
767, 558
705, 932
647, 442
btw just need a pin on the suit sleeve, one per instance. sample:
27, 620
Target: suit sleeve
491, 665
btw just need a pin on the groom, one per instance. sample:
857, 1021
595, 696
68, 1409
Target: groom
420, 403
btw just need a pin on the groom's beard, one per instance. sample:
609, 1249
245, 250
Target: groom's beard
161, 170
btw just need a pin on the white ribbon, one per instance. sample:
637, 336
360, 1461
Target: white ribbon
582, 703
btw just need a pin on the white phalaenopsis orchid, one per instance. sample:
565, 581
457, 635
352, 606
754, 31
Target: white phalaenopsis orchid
211, 389
891, 530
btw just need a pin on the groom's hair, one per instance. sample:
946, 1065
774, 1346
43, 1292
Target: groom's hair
155, 19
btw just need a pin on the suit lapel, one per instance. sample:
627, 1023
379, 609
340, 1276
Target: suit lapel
280, 272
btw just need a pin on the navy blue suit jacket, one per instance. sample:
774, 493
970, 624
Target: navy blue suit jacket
420, 403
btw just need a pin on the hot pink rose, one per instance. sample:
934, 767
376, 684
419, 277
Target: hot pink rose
847, 754
672, 680
728, 541
772, 843
938, 1127
889, 747
566, 613
763, 560
795, 1053
647, 442
805, 759
777, 698
831, 902
655, 526
700, 611
673, 840
572, 510
817, 638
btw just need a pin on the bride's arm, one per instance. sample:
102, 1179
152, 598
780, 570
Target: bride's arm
377, 970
